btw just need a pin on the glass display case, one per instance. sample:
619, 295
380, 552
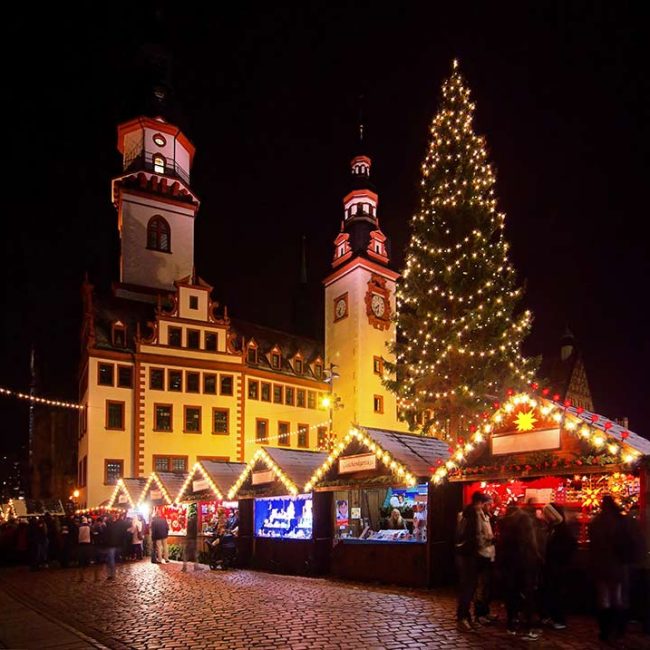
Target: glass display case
286, 517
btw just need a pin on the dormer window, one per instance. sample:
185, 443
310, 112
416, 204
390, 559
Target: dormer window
158, 234
119, 335
318, 370
275, 360
159, 163
194, 302
251, 355
298, 366
377, 247
341, 250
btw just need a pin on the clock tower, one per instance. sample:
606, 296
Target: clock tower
359, 307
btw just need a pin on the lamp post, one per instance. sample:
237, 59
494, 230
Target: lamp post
330, 401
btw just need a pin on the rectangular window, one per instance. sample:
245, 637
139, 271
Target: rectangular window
192, 382
226, 384
283, 433
277, 394
209, 384
378, 404
115, 415
175, 380
105, 374
318, 370
178, 463
266, 392
161, 463
211, 341
251, 355
261, 430
175, 337
192, 419
253, 389
156, 379
193, 339
169, 463
322, 436
311, 399
275, 360
162, 419
220, 419
125, 376
113, 470
378, 365
298, 366
288, 396
194, 302
303, 435
300, 397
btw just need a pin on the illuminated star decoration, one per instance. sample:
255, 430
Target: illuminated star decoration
526, 420
591, 497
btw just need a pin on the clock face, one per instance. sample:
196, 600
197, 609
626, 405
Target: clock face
378, 306
341, 307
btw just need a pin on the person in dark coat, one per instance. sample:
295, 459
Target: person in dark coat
560, 548
114, 538
159, 534
519, 563
610, 545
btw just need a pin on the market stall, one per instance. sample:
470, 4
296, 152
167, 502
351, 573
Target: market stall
127, 493
379, 506
206, 486
158, 497
533, 450
278, 523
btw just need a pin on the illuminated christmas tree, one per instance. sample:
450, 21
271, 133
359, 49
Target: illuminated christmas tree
459, 337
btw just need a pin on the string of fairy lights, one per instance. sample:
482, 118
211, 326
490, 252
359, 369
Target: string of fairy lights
600, 440
260, 454
456, 300
40, 400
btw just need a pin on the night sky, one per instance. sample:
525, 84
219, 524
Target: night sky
269, 97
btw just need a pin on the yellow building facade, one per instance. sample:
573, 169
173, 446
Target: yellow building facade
167, 377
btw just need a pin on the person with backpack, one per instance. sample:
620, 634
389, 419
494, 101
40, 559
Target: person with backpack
466, 546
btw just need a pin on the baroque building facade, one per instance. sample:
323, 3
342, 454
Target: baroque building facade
168, 377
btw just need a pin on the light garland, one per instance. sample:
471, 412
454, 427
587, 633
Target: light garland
154, 477
105, 509
261, 454
120, 486
548, 409
40, 400
268, 439
397, 468
198, 468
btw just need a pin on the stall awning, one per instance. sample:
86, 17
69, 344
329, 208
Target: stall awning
407, 456
292, 467
36, 507
131, 488
212, 476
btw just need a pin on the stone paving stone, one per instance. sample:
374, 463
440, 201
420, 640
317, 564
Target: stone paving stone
158, 607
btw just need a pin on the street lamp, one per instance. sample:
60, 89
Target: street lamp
329, 401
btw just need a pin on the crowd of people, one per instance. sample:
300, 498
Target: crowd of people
73, 540
524, 557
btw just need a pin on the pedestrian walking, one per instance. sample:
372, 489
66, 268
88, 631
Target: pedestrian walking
159, 534
560, 548
84, 546
519, 564
467, 560
137, 536
610, 550
190, 550
485, 566
114, 536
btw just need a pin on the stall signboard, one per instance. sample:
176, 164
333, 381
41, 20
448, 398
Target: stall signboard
155, 495
521, 442
199, 485
260, 478
122, 498
357, 463
287, 517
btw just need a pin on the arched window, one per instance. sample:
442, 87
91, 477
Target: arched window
159, 163
158, 235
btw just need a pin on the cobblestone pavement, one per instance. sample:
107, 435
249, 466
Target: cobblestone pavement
158, 606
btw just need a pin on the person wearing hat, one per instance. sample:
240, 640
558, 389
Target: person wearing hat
560, 547
84, 546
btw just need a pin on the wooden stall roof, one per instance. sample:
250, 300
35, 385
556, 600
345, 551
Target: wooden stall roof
417, 453
613, 429
298, 465
172, 481
223, 475
37, 507
133, 487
